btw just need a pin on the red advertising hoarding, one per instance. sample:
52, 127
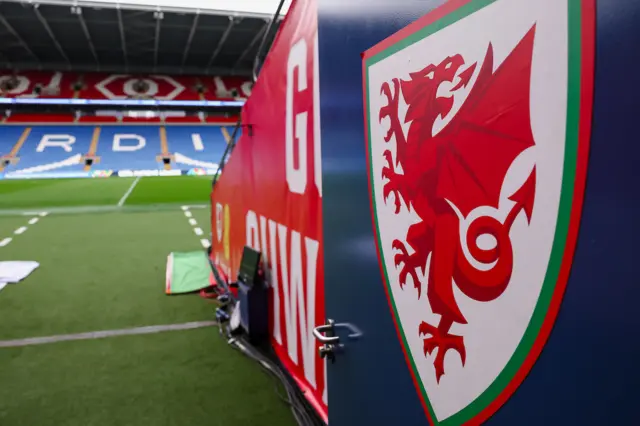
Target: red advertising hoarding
269, 197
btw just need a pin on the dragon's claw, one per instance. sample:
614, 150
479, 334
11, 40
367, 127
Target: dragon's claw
387, 171
387, 190
389, 157
443, 341
399, 245
410, 262
391, 109
392, 186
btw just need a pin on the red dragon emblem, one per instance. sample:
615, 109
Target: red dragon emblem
464, 166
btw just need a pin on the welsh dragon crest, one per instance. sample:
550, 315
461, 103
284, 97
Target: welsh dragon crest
447, 175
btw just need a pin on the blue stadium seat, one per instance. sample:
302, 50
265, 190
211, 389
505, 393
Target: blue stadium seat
196, 146
129, 147
48, 148
62, 148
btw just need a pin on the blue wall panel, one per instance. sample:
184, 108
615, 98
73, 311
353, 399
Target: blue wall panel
587, 373
352, 275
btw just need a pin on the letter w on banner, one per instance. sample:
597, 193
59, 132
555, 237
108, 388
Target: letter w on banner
271, 196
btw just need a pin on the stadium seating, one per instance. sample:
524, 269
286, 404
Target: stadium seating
47, 148
66, 85
196, 146
65, 148
129, 147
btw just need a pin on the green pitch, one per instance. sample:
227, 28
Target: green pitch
102, 246
47, 193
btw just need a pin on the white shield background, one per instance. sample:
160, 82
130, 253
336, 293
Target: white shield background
495, 328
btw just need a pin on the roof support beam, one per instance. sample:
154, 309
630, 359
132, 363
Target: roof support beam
85, 30
123, 41
149, 6
159, 16
47, 28
263, 42
13, 32
256, 38
224, 37
190, 39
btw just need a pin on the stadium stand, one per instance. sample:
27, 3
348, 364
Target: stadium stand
196, 145
47, 148
61, 148
131, 147
51, 85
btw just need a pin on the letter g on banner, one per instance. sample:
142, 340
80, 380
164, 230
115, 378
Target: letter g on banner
296, 177
296, 127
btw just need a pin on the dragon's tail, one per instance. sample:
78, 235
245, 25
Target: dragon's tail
480, 284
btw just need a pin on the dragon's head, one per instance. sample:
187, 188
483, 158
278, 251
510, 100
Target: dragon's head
421, 91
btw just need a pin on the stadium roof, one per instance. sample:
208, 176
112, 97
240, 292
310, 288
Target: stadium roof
213, 37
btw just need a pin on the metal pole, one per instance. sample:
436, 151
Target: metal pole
256, 61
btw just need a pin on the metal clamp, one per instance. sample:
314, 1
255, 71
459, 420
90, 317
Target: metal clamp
326, 328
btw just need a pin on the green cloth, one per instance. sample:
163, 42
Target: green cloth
187, 272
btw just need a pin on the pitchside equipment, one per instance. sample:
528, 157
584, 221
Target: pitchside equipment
187, 272
252, 296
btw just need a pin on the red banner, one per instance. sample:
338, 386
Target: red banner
40, 84
269, 197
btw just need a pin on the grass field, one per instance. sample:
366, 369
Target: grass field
149, 191
102, 246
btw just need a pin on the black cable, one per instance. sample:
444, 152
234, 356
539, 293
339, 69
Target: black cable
299, 407
297, 412
302, 412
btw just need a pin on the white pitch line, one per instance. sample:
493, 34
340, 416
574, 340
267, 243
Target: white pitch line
187, 213
103, 334
23, 229
129, 191
205, 243
198, 231
192, 222
185, 208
